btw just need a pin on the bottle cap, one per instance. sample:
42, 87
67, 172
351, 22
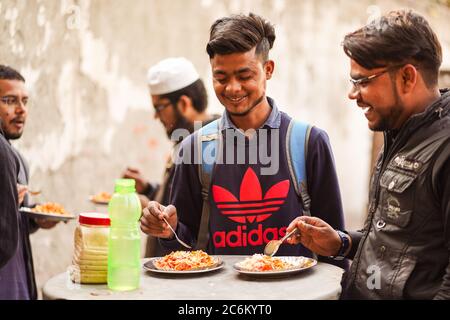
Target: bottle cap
127, 185
94, 219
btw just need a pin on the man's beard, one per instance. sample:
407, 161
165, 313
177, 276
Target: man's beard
14, 136
388, 122
180, 123
8, 135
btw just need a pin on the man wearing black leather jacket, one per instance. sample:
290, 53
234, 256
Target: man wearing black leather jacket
403, 250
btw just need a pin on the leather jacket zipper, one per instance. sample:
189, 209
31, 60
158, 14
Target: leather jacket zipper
373, 204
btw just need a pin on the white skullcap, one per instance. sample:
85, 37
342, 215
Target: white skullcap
170, 75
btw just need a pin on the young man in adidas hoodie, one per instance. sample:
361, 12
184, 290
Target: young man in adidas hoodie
251, 196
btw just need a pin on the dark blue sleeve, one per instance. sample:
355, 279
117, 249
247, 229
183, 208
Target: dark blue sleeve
323, 185
186, 196
151, 191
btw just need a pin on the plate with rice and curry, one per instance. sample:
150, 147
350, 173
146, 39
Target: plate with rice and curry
184, 262
49, 211
262, 265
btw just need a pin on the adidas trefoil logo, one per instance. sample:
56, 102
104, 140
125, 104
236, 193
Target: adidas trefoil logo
251, 205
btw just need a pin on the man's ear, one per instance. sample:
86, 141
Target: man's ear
184, 105
409, 76
269, 66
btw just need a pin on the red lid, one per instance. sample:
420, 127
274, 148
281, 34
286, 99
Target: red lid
94, 219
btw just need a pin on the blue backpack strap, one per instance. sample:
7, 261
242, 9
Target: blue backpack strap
207, 138
297, 153
297, 150
207, 147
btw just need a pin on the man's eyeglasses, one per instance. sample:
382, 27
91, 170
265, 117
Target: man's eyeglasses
357, 83
161, 107
11, 101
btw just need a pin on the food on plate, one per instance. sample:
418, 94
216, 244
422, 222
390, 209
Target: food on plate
101, 197
263, 263
185, 261
51, 208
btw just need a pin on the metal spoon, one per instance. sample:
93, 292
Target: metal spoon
176, 237
272, 247
184, 244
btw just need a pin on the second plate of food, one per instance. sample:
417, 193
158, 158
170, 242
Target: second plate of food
101, 198
262, 265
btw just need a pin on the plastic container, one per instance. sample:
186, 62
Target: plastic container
95, 230
124, 245
90, 256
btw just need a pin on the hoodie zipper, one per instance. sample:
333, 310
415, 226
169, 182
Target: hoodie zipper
373, 206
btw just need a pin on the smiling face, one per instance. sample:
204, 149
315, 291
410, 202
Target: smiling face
13, 109
379, 98
239, 80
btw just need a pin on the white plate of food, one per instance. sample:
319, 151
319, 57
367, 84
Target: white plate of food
262, 265
49, 211
101, 198
184, 262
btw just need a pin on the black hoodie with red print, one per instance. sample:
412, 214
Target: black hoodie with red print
249, 208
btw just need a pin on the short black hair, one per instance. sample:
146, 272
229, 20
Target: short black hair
398, 37
241, 33
195, 91
8, 73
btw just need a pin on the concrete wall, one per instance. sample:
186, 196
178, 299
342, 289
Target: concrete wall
85, 62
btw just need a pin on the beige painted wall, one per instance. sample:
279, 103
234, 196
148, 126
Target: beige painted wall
85, 62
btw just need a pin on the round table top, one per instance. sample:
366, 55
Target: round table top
321, 282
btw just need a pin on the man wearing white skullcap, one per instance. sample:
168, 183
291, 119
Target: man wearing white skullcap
178, 94
179, 99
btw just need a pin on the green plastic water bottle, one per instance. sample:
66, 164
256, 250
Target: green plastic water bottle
124, 243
